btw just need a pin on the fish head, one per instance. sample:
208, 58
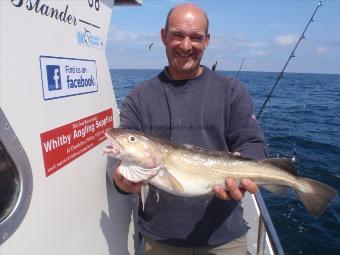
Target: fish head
134, 148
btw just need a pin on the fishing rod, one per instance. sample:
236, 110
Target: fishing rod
265, 221
240, 67
292, 55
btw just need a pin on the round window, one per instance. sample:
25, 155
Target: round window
16, 181
9, 184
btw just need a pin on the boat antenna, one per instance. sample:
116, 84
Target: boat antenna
292, 55
239, 70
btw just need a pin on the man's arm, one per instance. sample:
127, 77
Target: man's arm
245, 139
245, 135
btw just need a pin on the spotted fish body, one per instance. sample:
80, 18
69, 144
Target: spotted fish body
186, 170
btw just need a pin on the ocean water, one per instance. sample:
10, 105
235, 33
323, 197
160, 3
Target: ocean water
302, 119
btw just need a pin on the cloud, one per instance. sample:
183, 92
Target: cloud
225, 41
235, 42
119, 36
321, 50
131, 38
277, 25
286, 40
259, 53
231, 45
253, 45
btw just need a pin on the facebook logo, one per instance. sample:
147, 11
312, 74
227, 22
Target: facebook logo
53, 77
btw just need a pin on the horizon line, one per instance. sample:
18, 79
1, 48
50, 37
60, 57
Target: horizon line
110, 68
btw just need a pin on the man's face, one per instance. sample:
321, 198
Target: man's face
185, 40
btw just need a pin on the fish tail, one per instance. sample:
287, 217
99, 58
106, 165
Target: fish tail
315, 196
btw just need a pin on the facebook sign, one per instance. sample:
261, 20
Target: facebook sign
64, 77
53, 77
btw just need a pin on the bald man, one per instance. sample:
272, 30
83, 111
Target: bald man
188, 103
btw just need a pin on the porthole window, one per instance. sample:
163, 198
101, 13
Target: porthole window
16, 181
9, 184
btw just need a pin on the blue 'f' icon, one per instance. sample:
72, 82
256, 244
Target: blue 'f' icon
53, 77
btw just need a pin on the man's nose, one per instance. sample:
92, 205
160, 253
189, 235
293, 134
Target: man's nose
186, 43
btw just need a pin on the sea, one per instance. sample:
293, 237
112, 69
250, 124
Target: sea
301, 121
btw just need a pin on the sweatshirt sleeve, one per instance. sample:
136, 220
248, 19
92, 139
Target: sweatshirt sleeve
130, 116
245, 135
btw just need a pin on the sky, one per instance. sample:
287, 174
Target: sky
264, 32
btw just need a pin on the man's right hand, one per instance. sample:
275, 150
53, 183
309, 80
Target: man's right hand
126, 185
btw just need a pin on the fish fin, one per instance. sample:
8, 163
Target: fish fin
276, 189
144, 193
169, 179
282, 163
318, 197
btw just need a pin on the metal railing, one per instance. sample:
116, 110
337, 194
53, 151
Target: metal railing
266, 227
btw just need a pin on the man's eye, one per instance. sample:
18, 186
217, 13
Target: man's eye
197, 38
177, 36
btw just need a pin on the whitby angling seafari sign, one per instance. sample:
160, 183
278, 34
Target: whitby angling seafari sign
64, 144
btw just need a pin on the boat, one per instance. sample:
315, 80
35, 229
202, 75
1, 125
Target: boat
56, 100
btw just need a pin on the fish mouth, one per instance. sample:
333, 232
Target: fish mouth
115, 149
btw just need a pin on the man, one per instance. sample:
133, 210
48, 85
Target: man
188, 103
214, 66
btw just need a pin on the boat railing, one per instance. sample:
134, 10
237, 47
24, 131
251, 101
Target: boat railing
266, 227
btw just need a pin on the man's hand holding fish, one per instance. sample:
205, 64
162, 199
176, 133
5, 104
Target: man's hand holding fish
126, 185
233, 191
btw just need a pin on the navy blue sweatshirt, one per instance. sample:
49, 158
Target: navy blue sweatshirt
213, 112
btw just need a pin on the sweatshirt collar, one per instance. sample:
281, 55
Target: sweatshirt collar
176, 83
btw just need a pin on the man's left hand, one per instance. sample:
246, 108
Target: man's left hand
232, 191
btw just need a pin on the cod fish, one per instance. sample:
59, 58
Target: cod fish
186, 170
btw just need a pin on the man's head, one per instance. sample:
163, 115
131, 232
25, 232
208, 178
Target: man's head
185, 37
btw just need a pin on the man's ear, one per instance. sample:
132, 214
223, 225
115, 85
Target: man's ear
163, 35
207, 39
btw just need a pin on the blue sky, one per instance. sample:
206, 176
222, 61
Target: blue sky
262, 31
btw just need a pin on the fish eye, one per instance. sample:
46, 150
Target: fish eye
131, 138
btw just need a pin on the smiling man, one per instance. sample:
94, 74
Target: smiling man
185, 37
188, 103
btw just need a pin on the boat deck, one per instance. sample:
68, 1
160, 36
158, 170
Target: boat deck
251, 216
